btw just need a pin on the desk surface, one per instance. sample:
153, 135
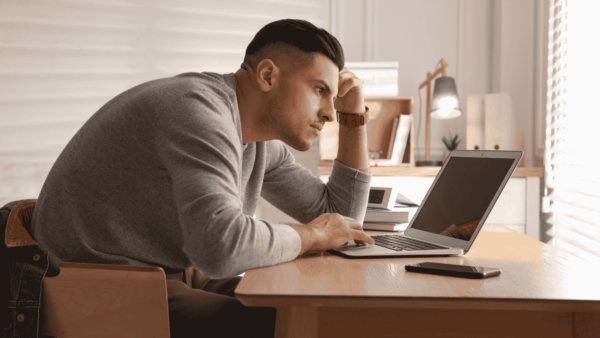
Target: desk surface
535, 276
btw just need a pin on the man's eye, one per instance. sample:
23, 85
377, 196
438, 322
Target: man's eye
320, 89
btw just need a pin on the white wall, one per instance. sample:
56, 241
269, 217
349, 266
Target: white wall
488, 44
513, 57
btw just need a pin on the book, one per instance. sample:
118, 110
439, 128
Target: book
385, 226
393, 138
398, 141
401, 139
400, 214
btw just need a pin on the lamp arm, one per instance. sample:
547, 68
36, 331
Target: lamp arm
441, 70
427, 83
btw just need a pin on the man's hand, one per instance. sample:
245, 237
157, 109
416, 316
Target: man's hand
350, 97
329, 231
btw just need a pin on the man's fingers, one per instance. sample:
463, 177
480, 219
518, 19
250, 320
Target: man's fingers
345, 74
363, 237
352, 223
348, 84
355, 226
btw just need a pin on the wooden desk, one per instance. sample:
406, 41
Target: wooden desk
542, 292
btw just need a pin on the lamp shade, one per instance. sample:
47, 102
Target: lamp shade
445, 104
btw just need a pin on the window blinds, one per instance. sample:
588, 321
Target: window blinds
61, 60
572, 160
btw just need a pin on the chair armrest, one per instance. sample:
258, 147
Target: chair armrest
99, 300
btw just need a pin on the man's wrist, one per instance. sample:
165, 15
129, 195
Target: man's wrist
352, 134
353, 119
306, 237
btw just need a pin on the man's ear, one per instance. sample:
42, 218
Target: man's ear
267, 75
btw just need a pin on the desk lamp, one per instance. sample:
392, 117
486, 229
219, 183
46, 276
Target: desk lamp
443, 106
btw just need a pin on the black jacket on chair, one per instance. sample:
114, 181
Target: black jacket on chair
24, 265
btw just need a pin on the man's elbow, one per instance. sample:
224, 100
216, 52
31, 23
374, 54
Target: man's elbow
220, 268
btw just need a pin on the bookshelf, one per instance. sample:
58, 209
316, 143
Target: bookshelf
380, 130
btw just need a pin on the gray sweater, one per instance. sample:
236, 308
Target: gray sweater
159, 176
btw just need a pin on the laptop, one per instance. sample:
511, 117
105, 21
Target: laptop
453, 211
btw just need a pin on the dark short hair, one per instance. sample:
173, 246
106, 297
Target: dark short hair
297, 33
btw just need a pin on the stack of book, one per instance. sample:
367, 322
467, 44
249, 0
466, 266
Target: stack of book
389, 220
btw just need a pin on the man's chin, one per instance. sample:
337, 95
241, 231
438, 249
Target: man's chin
300, 146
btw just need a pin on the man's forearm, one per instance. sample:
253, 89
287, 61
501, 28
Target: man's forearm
352, 149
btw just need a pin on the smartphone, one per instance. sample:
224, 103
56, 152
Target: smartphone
453, 270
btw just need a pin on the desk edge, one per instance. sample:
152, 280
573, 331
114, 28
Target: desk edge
423, 303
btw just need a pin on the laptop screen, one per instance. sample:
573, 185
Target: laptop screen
461, 196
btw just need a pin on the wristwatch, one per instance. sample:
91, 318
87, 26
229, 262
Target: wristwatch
353, 119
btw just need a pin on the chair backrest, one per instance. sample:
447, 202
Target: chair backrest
18, 224
98, 300
15, 223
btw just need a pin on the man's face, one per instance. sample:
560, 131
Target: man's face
303, 102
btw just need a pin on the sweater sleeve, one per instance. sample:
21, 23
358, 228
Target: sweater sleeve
198, 143
295, 191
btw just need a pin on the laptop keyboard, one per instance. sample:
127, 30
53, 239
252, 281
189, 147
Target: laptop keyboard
399, 243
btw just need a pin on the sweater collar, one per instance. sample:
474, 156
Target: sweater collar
230, 81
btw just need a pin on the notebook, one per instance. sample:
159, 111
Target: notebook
453, 211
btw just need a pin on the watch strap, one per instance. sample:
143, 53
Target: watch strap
353, 119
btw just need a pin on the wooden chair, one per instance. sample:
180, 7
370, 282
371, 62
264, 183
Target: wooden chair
98, 300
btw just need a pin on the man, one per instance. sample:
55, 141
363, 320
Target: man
169, 173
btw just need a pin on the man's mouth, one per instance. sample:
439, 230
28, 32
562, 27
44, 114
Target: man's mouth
319, 127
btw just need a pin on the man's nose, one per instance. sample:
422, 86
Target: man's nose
327, 112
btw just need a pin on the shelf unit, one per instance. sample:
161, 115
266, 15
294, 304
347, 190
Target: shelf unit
380, 129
